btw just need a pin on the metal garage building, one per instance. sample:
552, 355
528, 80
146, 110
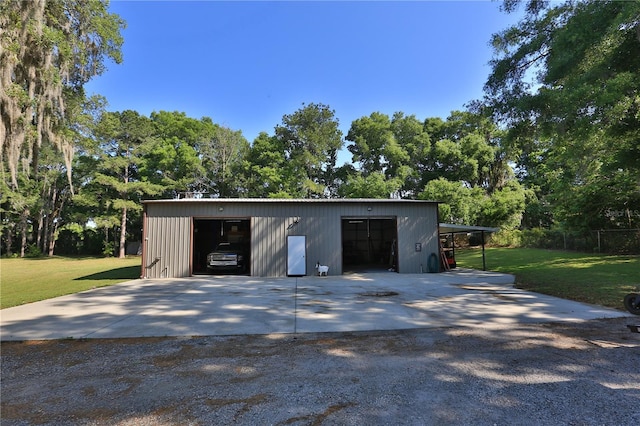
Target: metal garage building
287, 237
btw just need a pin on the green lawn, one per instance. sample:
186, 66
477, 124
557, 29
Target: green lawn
591, 278
29, 280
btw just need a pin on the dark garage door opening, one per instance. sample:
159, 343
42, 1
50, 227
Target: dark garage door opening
369, 244
208, 233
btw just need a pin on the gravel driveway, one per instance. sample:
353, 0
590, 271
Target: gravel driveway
584, 373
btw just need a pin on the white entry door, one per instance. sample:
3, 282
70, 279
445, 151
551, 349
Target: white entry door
296, 255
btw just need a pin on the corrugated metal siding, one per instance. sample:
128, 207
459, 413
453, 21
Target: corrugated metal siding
272, 225
169, 232
268, 246
168, 252
419, 227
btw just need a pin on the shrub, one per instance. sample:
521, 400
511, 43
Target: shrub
506, 238
108, 249
33, 251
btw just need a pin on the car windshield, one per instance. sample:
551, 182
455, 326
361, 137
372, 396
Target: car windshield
228, 246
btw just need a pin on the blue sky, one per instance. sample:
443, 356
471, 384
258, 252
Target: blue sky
246, 64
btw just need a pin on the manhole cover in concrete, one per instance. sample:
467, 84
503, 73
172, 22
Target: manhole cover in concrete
379, 293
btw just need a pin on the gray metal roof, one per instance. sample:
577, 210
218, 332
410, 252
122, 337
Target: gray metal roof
288, 200
449, 228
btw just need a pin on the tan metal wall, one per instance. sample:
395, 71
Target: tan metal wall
167, 247
169, 231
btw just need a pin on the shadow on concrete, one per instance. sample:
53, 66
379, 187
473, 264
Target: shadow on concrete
206, 306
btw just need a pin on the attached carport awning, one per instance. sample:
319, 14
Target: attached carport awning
450, 228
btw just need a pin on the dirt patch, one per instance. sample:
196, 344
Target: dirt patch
317, 419
379, 294
540, 373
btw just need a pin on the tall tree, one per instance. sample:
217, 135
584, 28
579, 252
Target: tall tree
48, 50
173, 160
566, 82
414, 147
265, 168
466, 147
373, 185
377, 148
459, 204
311, 138
222, 154
464, 205
370, 136
39, 200
468, 170
125, 138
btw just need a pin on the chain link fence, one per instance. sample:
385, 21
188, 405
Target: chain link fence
613, 241
623, 241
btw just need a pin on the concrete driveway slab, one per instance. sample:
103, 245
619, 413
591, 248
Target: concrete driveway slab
234, 305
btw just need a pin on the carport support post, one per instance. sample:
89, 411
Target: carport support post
453, 246
484, 263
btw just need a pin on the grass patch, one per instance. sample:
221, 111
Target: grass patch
30, 280
591, 278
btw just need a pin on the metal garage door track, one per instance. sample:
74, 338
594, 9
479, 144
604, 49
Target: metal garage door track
230, 305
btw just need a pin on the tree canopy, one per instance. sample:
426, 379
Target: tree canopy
566, 84
311, 138
48, 51
554, 143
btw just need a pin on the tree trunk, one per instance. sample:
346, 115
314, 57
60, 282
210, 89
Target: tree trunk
52, 239
9, 239
52, 236
106, 243
123, 233
49, 226
45, 231
23, 232
38, 230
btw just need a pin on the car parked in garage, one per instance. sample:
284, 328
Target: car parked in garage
228, 257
